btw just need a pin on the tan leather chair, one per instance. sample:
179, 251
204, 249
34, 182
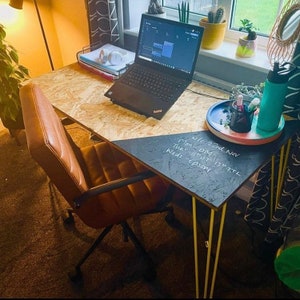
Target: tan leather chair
103, 186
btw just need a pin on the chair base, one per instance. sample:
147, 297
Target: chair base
76, 275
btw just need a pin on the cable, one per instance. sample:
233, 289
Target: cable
204, 94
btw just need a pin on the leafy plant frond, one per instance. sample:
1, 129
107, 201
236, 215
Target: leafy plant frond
12, 74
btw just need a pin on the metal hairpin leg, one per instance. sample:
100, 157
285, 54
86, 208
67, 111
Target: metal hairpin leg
284, 155
210, 244
194, 212
283, 160
222, 221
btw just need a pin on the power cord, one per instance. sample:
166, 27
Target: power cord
204, 94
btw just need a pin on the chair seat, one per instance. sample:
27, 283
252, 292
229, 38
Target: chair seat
104, 163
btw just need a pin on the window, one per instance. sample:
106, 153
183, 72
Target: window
213, 65
262, 13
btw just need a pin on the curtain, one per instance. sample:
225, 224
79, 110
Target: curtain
292, 100
103, 22
258, 212
258, 208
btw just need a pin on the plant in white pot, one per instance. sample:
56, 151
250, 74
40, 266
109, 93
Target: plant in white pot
155, 8
12, 74
214, 28
247, 44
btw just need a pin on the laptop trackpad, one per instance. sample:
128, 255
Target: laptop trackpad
135, 100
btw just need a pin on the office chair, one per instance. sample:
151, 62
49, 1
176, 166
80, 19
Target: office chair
103, 186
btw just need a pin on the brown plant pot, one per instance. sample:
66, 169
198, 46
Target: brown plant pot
13, 124
245, 48
213, 34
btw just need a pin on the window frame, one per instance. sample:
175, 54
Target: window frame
231, 35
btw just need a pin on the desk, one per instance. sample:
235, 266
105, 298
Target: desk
178, 147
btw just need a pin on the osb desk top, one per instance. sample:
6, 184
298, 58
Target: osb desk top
80, 94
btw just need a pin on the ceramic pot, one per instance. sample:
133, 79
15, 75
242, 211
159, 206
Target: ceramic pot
246, 48
213, 34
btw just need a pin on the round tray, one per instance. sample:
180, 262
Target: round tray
217, 122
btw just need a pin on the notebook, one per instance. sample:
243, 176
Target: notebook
166, 52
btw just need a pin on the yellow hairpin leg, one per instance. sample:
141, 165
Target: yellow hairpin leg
209, 247
283, 160
212, 287
284, 155
272, 186
194, 211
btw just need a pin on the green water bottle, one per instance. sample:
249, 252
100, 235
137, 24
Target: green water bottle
275, 89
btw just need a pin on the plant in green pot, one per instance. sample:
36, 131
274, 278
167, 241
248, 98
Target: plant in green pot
247, 44
214, 28
184, 12
12, 74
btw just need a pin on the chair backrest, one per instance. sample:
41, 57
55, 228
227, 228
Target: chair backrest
49, 144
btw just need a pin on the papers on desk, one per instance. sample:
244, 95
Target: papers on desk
112, 61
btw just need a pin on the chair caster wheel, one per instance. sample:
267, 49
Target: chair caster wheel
68, 217
75, 276
170, 218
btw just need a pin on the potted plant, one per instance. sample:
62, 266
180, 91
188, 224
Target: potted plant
11, 76
214, 28
184, 12
247, 44
154, 8
249, 92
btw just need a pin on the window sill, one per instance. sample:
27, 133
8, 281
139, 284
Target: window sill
226, 52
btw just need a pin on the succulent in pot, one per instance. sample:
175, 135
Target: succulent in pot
183, 11
247, 26
155, 8
214, 28
216, 16
247, 44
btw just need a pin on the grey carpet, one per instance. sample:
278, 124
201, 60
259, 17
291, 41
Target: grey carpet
37, 249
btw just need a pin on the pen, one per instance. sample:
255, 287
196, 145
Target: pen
253, 104
239, 103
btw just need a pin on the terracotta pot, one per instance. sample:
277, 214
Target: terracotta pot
246, 48
213, 34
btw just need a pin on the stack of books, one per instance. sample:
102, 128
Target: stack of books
109, 61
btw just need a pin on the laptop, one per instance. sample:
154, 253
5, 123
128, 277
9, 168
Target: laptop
163, 67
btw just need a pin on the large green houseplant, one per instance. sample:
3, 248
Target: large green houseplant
12, 74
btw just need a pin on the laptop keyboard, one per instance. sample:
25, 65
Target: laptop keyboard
161, 85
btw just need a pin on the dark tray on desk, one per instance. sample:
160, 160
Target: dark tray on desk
217, 122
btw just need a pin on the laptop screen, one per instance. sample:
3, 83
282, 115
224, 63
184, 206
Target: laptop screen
169, 44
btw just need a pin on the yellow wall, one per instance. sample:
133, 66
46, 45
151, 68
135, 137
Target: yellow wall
65, 25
